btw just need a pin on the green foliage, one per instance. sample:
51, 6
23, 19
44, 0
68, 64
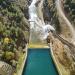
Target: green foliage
8, 56
12, 27
1, 1
69, 7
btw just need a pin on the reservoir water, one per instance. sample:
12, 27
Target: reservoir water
39, 62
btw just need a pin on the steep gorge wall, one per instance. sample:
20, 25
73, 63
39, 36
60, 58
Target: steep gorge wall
50, 14
61, 51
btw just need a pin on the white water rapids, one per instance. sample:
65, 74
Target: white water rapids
38, 29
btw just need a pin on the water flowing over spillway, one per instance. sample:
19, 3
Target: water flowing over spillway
38, 29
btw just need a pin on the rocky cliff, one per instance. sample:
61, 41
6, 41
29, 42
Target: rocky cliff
63, 55
61, 51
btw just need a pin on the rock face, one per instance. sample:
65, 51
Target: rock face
5, 69
50, 14
53, 17
62, 55
62, 52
